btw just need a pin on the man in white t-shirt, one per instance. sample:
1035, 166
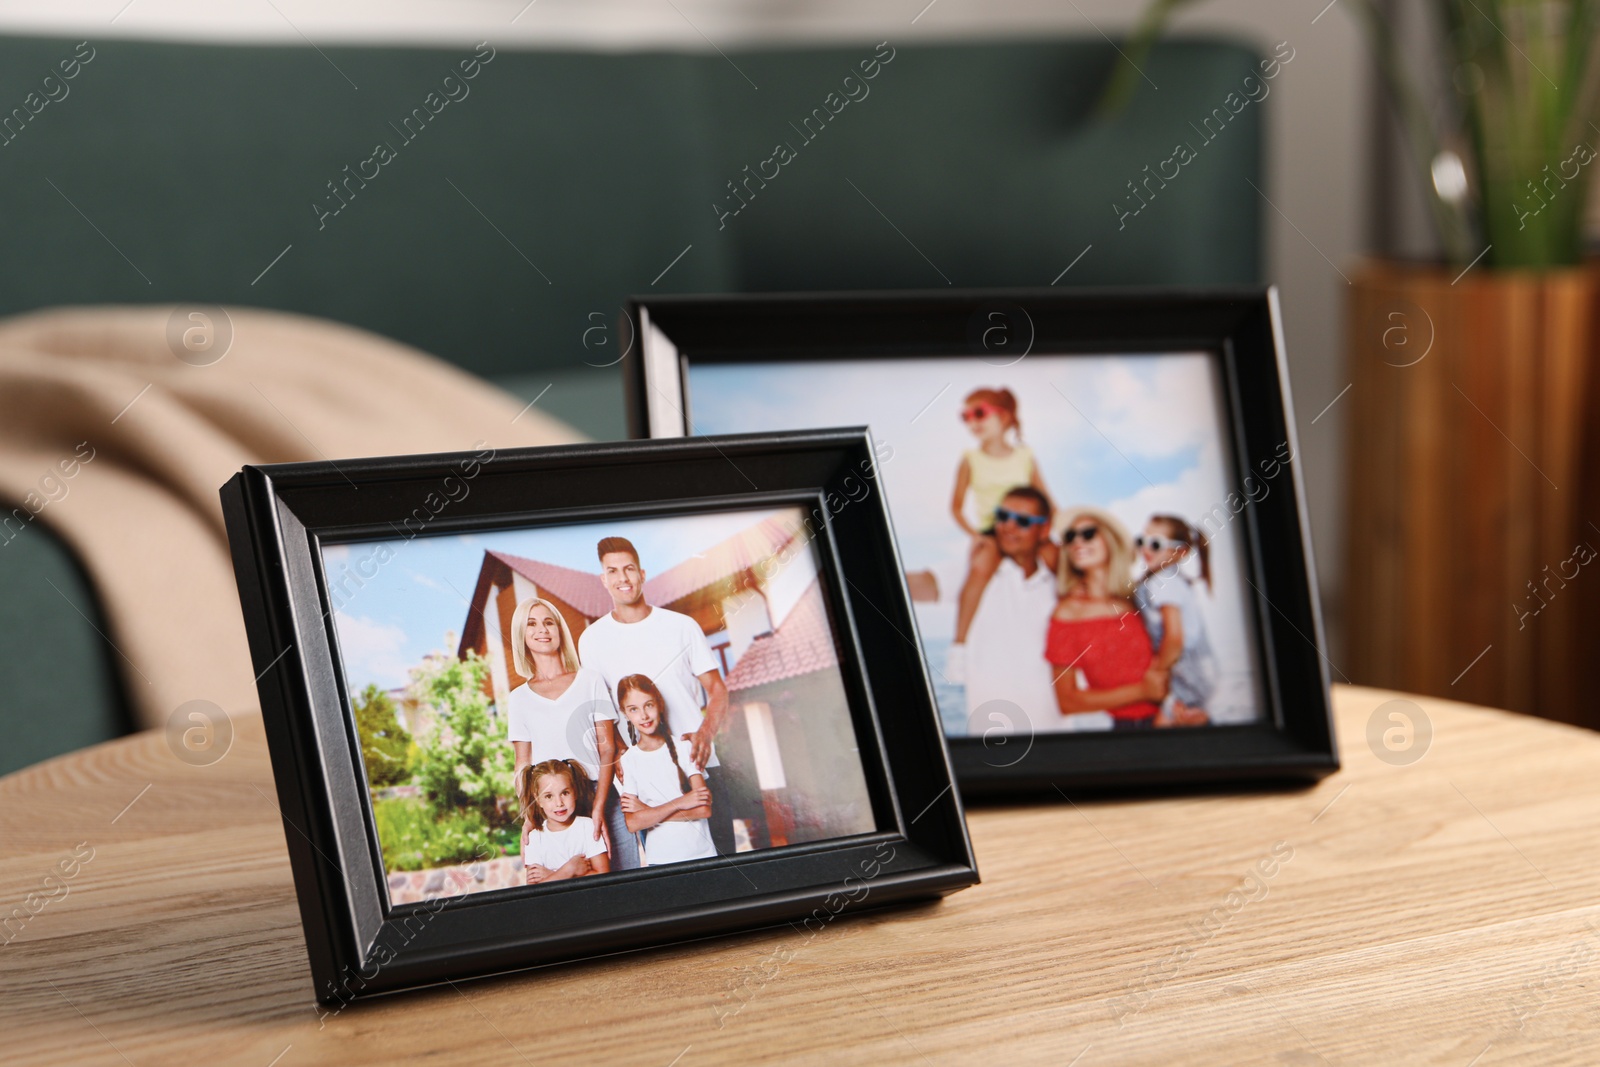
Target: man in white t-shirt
671, 650
1005, 644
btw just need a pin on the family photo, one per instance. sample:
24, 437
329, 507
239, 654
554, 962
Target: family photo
1069, 527
563, 702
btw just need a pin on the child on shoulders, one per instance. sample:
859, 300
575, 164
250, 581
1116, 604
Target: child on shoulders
999, 464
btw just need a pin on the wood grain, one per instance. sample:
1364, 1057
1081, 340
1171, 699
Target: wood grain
1430, 913
1469, 401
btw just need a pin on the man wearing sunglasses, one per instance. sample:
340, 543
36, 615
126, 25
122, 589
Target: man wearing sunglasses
1006, 668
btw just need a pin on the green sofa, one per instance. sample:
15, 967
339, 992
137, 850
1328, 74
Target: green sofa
524, 195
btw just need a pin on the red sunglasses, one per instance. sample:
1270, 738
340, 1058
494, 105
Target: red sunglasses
978, 412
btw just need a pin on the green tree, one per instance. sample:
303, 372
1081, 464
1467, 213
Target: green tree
466, 763
384, 742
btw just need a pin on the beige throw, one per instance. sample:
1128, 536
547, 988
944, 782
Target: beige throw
119, 446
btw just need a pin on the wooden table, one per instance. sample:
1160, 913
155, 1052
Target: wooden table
1441, 912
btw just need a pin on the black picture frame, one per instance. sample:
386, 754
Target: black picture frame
359, 945
1240, 326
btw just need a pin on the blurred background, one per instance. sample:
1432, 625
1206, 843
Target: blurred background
594, 142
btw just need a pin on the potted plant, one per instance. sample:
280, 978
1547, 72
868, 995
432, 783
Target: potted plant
1471, 381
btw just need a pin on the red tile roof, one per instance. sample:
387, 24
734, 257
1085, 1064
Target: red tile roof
578, 588
740, 552
804, 643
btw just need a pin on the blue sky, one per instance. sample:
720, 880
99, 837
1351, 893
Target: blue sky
1099, 426
402, 614
1134, 434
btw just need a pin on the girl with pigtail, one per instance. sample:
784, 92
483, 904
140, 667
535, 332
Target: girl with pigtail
557, 842
1166, 600
664, 793
999, 464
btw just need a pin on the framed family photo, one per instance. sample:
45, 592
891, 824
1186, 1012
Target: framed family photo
1097, 500
532, 705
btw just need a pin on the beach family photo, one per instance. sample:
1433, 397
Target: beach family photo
1068, 526
542, 704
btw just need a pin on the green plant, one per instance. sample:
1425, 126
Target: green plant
466, 762
385, 744
1506, 171
414, 837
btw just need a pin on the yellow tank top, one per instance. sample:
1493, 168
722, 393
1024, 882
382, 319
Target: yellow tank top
992, 477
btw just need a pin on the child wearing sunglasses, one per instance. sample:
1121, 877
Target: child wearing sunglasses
999, 464
1171, 612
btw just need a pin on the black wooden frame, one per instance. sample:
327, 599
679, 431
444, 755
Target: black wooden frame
278, 517
1240, 327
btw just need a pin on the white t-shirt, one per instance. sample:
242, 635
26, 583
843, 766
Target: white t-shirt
1005, 653
665, 646
562, 728
651, 777
1194, 675
552, 848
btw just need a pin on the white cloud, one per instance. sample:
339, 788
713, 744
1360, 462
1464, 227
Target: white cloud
372, 651
1152, 407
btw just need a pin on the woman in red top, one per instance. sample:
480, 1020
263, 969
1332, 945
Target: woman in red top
1096, 634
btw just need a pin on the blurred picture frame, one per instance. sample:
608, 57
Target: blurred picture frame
810, 505
1160, 421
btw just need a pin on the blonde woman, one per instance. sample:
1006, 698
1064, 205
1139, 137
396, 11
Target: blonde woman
1097, 642
564, 712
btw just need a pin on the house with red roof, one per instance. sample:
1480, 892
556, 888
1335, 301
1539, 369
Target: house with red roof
758, 597
739, 591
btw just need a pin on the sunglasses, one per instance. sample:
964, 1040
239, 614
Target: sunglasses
1085, 532
1158, 544
1027, 522
978, 412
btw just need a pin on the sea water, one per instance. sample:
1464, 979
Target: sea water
952, 698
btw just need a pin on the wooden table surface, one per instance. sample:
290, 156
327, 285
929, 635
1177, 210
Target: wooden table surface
1441, 911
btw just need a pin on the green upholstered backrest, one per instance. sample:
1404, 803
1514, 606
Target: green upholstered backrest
519, 208
60, 684
555, 184
979, 165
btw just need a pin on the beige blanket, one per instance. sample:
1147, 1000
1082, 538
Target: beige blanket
119, 446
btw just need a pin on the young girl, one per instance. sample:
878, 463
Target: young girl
999, 464
664, 795
557, 842
1172, 616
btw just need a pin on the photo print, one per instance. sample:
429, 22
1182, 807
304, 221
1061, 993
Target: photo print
541, 704
1067, 524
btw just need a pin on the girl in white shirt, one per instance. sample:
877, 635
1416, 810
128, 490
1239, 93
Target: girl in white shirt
1171, 611
557, 842
664, 794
